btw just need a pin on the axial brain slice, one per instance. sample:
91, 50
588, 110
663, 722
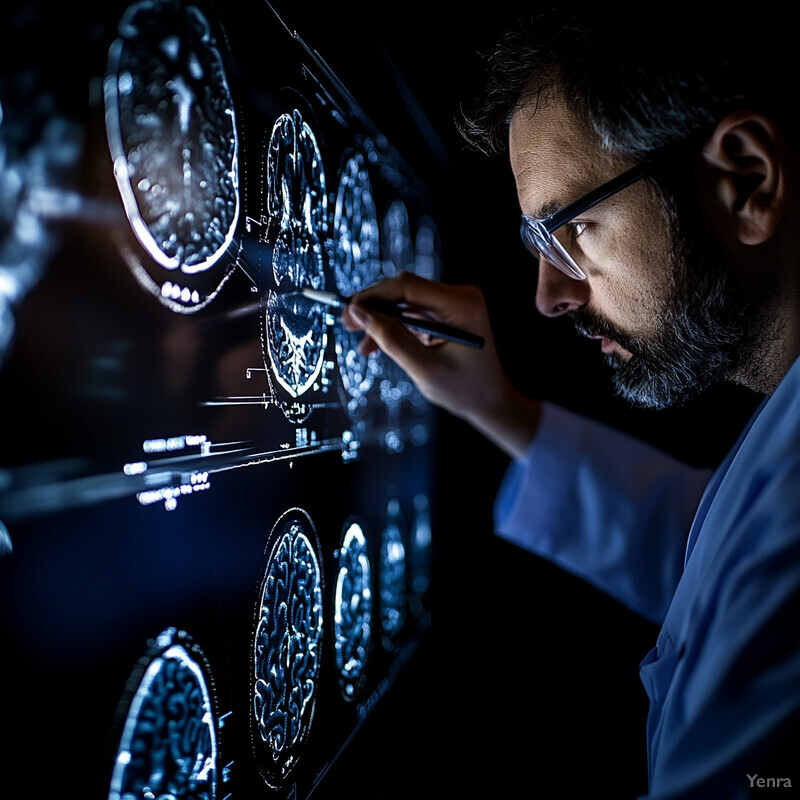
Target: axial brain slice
172, 135
356, 266
297, 204
353, 611
168, 746
287, 648
296, 190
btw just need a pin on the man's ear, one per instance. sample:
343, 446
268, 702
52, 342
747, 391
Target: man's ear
748, 151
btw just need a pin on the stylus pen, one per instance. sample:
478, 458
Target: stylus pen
338, 303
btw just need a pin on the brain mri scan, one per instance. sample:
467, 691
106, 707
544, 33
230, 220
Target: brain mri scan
288, 646
173, 138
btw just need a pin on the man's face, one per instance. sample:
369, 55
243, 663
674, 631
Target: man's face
668, 332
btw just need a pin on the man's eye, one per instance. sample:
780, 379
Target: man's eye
571, 231
578, 228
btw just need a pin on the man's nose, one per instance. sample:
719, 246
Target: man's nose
557, 293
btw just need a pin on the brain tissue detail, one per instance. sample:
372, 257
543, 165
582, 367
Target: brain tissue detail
168, 746
287, 647
297, 205
172, 134
353, 612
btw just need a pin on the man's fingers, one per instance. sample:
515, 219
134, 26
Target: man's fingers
391, 336
430, 298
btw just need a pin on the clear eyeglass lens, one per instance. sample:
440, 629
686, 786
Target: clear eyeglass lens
544, 245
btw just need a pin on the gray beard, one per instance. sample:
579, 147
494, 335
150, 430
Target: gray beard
702, 339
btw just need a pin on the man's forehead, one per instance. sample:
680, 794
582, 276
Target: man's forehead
544, 132
554, 157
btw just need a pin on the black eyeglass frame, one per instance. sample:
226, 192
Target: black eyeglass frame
569, 212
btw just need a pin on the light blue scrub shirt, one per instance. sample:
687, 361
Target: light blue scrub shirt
714, 558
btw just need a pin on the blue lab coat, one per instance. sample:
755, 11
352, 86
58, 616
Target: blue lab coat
713, 557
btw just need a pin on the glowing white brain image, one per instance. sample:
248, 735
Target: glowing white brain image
296, 192
172, 133
356, 266
296, 340
393, 593
168, 746
287, 647
355, 228
297, 203
353, 611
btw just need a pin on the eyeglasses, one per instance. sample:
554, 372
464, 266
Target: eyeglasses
538, 234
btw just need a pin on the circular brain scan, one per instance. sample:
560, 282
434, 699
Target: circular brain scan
168, 746
356, 265
352, 611
297, 207
173, 139
393, 591
287, 649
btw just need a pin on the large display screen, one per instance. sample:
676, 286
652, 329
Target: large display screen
215, 514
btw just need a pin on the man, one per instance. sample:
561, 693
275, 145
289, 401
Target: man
683, 265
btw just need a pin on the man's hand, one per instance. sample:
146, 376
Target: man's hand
468, 382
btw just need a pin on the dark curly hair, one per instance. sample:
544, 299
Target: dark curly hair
643, 76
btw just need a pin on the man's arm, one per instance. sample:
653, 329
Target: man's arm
604, 506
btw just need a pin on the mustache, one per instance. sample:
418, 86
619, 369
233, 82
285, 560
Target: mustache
592, 325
